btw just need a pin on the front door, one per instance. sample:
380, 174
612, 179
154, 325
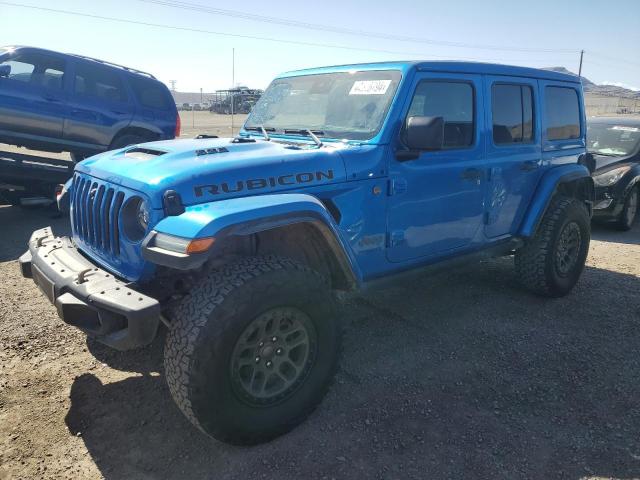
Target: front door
436, 202
32, 95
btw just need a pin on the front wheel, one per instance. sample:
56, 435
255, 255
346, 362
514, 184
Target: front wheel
550, 263
630, 210
252, 349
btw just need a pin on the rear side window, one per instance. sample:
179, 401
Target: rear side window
453, 101
512, 111
37, 69
149, 93
562, 113
99, 82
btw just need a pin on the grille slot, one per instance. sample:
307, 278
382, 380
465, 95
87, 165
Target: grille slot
116, 228
106, 239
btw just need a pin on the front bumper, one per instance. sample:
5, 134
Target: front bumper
608, 203
87, 296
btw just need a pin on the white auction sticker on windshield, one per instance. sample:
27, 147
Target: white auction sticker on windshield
370, 87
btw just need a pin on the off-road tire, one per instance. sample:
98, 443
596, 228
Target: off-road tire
626, 220
536, 262
211, 320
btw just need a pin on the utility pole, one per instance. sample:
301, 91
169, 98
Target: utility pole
173, 85
580, 68
200, 94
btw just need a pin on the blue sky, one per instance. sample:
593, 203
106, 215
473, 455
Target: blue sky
550, 33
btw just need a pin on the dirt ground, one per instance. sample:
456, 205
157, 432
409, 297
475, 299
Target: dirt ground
457, 375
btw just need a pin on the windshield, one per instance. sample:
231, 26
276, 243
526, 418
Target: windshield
343, 105
614, 140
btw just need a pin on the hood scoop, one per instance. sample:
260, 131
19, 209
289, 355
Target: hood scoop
140, 153
243, 140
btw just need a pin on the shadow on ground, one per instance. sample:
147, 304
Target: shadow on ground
459, 375
19, 223
606, 233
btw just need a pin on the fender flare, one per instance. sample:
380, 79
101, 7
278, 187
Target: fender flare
249, 215
634, 179
548, 186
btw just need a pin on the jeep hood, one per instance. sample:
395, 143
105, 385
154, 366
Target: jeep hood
204, 170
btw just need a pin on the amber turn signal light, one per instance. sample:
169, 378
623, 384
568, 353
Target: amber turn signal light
200, 245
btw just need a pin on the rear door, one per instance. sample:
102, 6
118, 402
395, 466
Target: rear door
436, 202
32, 96
514, 155
99, 106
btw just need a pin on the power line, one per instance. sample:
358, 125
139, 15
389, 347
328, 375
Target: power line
235, 35
614, 59
347, 31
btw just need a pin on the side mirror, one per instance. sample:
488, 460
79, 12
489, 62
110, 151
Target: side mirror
424, 133
5, 70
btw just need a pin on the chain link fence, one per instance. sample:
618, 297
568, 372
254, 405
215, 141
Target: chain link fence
598, 105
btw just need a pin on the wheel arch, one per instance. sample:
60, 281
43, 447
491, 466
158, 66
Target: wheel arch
146, 133
634, 179
297, 226
573, 181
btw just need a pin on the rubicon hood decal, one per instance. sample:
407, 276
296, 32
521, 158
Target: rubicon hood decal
262, 183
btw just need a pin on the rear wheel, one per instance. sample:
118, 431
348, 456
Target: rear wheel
253, 349
126, 140
551, 261
78, 156
630, 210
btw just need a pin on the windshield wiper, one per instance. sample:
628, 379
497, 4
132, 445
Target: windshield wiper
595, 152
305, 131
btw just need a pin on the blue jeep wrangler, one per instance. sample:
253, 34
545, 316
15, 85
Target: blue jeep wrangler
59, 102
340, 177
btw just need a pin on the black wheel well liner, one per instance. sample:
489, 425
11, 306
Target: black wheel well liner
305, 242
581, 188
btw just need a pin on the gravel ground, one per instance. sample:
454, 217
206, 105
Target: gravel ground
454, 375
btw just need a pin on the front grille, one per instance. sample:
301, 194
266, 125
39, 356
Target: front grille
95, 214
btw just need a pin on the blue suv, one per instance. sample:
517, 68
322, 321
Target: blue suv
59, 102
341, 178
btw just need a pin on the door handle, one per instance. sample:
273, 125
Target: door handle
529, 165
471, 174
50, 98
118, 112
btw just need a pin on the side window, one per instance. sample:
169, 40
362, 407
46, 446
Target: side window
36, 69
512, 112
149, 93
562, 113
21, 70
453, 101
99, 82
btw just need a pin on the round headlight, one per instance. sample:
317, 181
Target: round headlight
135, 218
143, 215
